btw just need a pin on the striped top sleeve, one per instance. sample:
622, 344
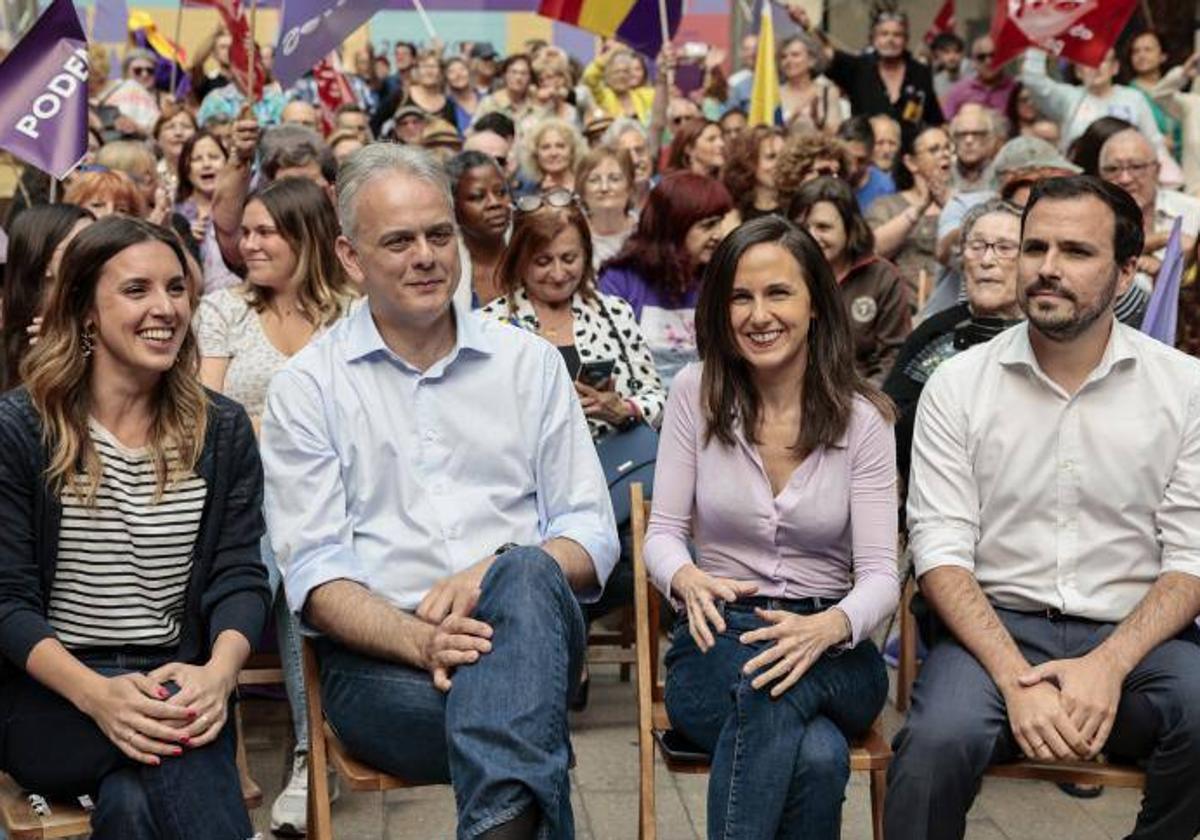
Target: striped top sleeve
123, 565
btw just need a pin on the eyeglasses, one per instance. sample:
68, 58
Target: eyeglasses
1137, 169
982, 56
826, 171
940, 149
142, 71
1005, 249
558, 199
964, 135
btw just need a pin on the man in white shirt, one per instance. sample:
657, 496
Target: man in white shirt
435, 503
1054, 516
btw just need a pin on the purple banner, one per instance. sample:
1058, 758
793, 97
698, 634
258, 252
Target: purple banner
309, 29
43, 92
109, 21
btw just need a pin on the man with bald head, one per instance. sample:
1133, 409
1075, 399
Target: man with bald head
299, 112
990, 86
977, 137
1128, 160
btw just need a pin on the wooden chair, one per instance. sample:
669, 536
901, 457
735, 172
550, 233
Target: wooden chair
1096, 772
69, 819
615, 646
324, 749
869, 754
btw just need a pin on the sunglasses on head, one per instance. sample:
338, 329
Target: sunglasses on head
557, 198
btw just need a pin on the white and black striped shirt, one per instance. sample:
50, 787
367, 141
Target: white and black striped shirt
123, 565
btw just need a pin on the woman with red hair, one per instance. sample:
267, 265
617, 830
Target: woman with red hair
659, 269
698, 146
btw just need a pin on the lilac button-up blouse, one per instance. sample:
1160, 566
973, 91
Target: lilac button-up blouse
830, 533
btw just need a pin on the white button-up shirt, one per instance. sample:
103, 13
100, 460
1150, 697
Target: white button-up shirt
1075, 503
396, 478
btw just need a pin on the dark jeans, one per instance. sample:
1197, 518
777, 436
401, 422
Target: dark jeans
958, 726
500, 734
52, 748
779, 767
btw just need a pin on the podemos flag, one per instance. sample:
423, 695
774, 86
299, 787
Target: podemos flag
43, 92
765, 104
1080, 30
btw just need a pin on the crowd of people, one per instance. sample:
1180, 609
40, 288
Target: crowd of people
246, 356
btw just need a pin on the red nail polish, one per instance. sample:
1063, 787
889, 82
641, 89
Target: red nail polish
163, 694
191, 713
178, 751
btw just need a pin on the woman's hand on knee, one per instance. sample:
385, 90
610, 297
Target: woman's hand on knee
131, 710
203, 693
700, 592
798, 641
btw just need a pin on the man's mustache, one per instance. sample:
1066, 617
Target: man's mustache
1043, 284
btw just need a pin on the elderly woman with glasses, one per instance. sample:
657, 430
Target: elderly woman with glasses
905, 224
605, 178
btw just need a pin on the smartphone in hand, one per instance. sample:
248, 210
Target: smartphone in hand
594, 374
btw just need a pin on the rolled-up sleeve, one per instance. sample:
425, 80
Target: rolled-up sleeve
572, 494
307, 517
674, 484
1178, 519
873, 524
943, 500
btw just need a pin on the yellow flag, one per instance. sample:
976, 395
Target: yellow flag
765, 108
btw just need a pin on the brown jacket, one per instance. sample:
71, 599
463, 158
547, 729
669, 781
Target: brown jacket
877, 302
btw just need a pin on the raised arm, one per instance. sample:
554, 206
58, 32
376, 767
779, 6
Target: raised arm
1057, 100
233, 185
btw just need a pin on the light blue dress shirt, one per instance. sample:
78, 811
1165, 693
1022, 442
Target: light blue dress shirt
393, 478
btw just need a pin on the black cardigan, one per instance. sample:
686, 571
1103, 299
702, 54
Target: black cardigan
227, 589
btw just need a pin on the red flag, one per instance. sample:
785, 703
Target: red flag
1080, 30
333, 90
942, 22
238, 25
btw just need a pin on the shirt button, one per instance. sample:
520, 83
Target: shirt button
431, 436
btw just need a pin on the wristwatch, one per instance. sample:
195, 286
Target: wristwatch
508, 546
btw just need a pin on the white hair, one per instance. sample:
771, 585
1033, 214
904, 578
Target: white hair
377, 159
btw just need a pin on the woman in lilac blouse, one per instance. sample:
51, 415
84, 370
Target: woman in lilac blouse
778, 461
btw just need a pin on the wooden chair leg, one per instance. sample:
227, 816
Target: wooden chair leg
251, 792
320, 820
878, 790
906, 672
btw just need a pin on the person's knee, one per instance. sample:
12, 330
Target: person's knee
123, 808
943, 739
825, 755
526, 571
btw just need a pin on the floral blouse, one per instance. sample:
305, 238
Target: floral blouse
604, 329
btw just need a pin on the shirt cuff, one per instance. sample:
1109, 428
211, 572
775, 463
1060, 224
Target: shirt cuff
315, 567
598, 541
942, 546
1181, 560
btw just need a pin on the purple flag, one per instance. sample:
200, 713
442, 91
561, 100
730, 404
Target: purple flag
109, 20
1163, 310
43, 92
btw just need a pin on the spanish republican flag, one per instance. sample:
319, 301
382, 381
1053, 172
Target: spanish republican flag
636, 23
765, 107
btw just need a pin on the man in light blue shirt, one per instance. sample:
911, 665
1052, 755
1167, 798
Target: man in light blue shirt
436, 505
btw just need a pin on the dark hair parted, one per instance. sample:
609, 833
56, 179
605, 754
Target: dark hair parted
57, 372
183, 169
830, 384
1084, 151
679, 155
656, 249
32, 239
532, 232
1128, 235
860, 241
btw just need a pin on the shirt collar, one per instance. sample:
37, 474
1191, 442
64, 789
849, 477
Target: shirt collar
1019, 352
363, 338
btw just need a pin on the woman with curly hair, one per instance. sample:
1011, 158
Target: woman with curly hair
806, 156
750, 171
132, 588
550, 152
659, 269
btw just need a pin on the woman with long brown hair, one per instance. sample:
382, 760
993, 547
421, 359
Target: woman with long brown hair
295, 289
131, 587
698, 146
750, 167
777, 463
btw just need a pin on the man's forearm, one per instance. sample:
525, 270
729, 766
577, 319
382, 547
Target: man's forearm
358, 618
575, 562
955, 595
1171, 604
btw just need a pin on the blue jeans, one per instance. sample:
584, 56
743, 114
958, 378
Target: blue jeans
52, 748
958, 726
500, 734
287, 634
779, 767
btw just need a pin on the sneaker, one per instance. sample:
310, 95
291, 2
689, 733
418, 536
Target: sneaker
289, 814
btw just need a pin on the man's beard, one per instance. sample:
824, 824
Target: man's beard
1070, 327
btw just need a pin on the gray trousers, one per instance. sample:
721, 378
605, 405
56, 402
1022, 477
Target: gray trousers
957, 726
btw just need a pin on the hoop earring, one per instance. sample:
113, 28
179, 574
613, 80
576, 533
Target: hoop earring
87, 341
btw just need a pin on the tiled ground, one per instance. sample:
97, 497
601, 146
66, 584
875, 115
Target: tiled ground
606, 798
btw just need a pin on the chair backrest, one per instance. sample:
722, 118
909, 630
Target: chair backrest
647, 601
